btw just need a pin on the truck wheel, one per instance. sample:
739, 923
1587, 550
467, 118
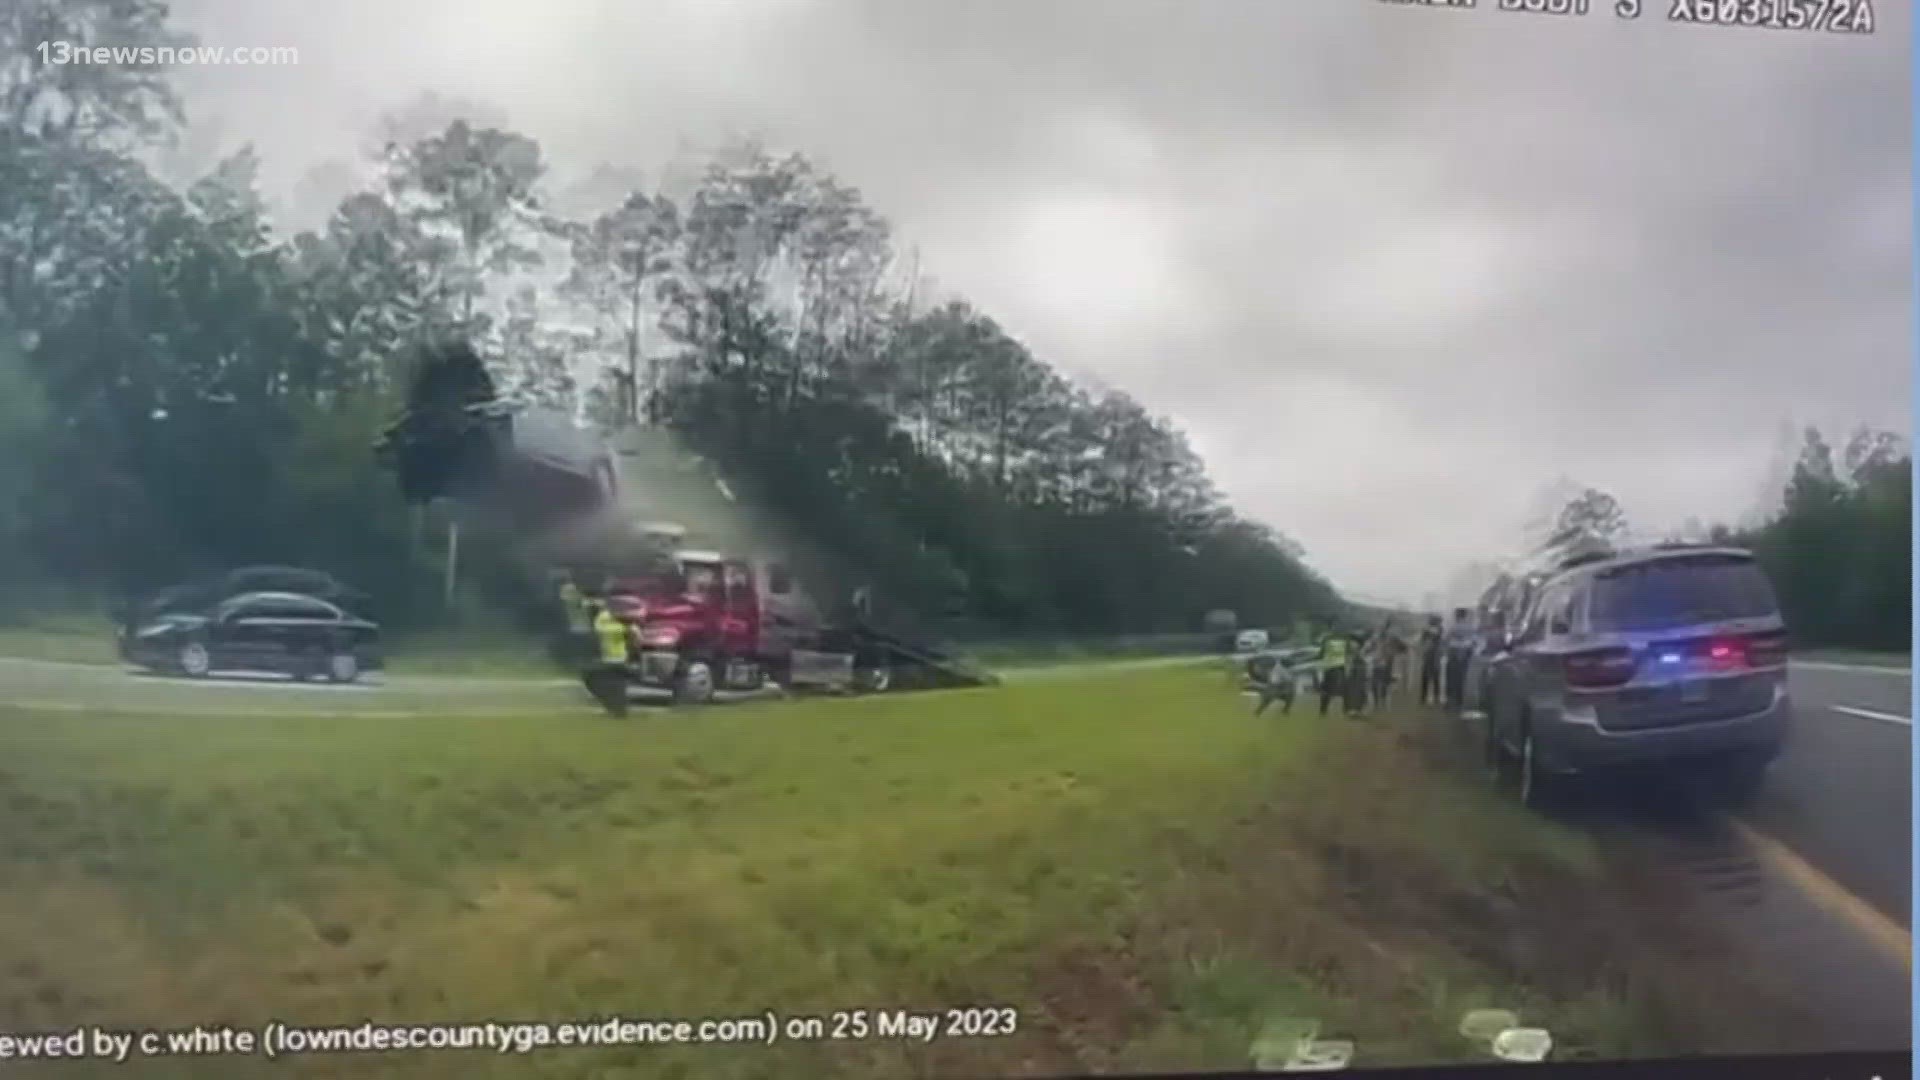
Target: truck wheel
694, 686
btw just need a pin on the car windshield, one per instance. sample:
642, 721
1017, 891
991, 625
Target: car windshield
1667, 593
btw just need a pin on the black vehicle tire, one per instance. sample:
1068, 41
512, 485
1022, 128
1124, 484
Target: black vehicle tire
1532, 786
1492, 754
1516, 770
343, 667
693, 685
194, 659
1527, 777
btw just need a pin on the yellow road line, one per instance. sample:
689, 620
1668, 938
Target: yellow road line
1892, 939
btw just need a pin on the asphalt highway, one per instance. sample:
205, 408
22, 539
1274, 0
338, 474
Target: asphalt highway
1841, 797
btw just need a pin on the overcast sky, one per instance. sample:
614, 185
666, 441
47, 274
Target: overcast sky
1394, 269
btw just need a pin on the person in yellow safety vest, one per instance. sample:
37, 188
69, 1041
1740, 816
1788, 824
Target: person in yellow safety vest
1333, 668
606, 677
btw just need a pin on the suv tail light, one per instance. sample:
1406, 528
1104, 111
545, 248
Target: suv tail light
1599, 668
1726, 653
1742, 652
1767, 650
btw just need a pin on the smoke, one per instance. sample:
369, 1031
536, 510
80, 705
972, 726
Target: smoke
663, 482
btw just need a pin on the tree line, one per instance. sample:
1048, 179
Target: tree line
1838, 544
184, 387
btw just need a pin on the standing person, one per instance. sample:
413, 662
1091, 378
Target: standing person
1398, 666
1356, 677
1333, 668
1383, 661
1459, 651
606, 676
1430, 661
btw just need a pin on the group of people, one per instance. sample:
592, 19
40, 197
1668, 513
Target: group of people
1361, 669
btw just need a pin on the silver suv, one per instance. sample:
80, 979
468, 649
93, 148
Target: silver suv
1675, 655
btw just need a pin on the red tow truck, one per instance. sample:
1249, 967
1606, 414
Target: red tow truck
706, 622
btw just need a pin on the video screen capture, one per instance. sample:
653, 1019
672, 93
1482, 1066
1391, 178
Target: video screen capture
738, 539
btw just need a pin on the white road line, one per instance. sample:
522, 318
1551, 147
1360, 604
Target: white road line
1869, 714
1864, 669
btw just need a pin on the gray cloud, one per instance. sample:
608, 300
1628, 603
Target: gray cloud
1394, 269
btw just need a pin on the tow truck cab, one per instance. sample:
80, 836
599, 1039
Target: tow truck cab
717, 622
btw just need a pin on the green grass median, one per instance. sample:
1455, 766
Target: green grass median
1142, 869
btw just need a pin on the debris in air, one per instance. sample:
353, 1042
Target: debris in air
1523, 1044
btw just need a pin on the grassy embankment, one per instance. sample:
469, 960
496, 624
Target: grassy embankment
1143, 869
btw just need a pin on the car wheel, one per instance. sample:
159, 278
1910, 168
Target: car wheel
1493, 756
1527, 773
343, 667
695, 684
194, 660
1534, 786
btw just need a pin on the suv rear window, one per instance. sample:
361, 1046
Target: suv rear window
1667, 593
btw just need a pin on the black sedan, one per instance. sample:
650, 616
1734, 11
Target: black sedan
206, 590
291, 633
